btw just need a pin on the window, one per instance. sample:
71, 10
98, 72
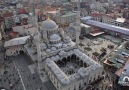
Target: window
90, 81
94, 78
28, 32
79, 86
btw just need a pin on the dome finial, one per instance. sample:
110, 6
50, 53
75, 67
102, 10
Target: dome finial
48, 18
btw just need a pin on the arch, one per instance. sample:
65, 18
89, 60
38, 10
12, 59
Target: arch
73, 58
98, 76
58, 62
77, 59
89, 81
94, 79
102, 72
21, 52
68, 58
85, 65
79, 86
81, 63
64, 61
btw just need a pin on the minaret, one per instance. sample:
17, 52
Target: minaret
78, 24
33, 9
34, 21
38, 47
39, 59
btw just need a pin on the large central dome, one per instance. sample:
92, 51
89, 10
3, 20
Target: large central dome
49, 25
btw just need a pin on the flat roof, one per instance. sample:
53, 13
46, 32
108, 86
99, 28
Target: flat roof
68, 14
106, 26
121, 20
118, 60
119, 72
124, 77
96, 33
16, 41
84, 25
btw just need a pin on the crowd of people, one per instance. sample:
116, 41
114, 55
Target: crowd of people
9, 78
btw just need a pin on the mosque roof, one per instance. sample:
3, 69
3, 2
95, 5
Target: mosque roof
55, 37
49, 25
80, 74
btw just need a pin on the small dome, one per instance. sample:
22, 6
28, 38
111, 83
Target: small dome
49, 25
126, 79
48, 50
55, 37
53, 48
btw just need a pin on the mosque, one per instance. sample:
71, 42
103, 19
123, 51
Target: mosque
58, 56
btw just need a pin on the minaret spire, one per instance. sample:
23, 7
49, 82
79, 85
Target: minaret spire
78, 12
78, 28
33, 9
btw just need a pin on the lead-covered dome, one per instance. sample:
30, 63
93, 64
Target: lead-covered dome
49, 25
55, 37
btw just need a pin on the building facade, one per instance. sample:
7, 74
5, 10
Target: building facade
66, 18
24, 29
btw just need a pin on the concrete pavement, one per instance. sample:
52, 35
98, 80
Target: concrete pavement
31, 81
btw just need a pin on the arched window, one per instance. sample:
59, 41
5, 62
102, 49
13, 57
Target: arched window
79, 86
90, 81
74, 87
94, 78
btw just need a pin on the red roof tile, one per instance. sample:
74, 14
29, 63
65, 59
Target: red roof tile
1, 18
8, 14
22, 11
96, 15
14, 34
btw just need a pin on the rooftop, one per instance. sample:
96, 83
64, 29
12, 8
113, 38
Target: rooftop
16, 41
124, 78
49, 25
68, 14
119, 58
121, 20
8, 14
78, 73
107, 26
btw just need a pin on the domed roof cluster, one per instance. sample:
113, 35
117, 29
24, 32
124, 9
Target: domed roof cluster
49, 25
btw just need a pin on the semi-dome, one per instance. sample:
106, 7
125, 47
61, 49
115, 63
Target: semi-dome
55, 37
49, 25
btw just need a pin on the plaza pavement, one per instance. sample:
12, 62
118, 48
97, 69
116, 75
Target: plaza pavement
31, 81
103, 42
20, 76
